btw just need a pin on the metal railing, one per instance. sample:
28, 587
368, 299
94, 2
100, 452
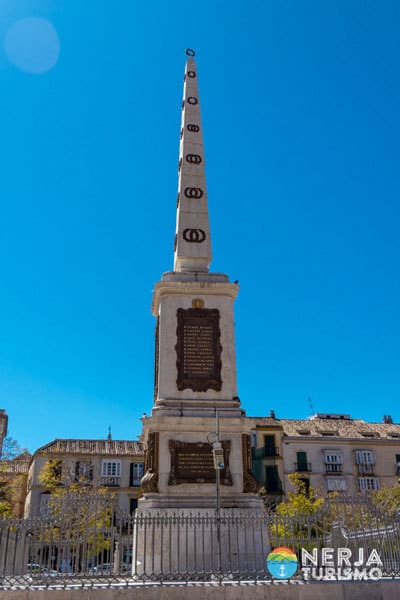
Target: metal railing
135, 481
333, 468
264, 452
271, 451
366, 468
302, 467
125, 549
110, 481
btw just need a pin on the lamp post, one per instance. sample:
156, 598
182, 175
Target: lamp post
218, 457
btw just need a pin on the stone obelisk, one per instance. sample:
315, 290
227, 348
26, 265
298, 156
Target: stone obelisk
195, 363
196, 404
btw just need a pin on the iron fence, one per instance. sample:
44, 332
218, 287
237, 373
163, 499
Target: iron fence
125, 550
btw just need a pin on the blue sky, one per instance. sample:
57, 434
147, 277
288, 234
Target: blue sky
300, 106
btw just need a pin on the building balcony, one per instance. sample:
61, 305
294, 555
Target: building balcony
333, 468
135, 482
365, 469
110, 481
302, 467
259, 453
84, 481
271, 452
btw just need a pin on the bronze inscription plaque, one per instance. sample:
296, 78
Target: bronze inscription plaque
198, 349
193, 463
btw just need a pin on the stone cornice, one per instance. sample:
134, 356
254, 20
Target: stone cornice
340, 440
188, 288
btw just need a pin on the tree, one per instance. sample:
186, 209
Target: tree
81, 515
14, 462
5, 508
387, 500
298, 522
11, 449
50, 475
300, 502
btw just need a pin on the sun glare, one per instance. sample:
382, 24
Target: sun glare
32, 45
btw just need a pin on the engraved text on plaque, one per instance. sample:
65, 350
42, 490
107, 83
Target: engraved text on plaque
198, 349
193, 463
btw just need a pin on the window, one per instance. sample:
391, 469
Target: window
111, 468
336, 484
333, 457
57, 468
253, 439
301, 463
269, 445
135, 473
306, 483
272, 481
44, 507
110, 473
368, 483
52, 472
398, 463
365, 457
132, 505
365, 460
83, 471
333, 462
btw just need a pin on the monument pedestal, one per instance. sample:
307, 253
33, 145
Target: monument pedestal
179, 466
172, 542
178, 527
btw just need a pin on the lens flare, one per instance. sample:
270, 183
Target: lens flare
32, 44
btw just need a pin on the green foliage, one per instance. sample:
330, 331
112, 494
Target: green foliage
305, 519
298, 521
5, 508
80, 513
12, 481
50, 475
387, 500
300, 503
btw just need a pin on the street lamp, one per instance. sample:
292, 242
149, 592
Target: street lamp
219, 464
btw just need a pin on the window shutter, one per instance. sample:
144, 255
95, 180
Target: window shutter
136, 471
302, 460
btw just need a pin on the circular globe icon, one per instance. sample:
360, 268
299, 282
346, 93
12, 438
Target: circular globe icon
282, 562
